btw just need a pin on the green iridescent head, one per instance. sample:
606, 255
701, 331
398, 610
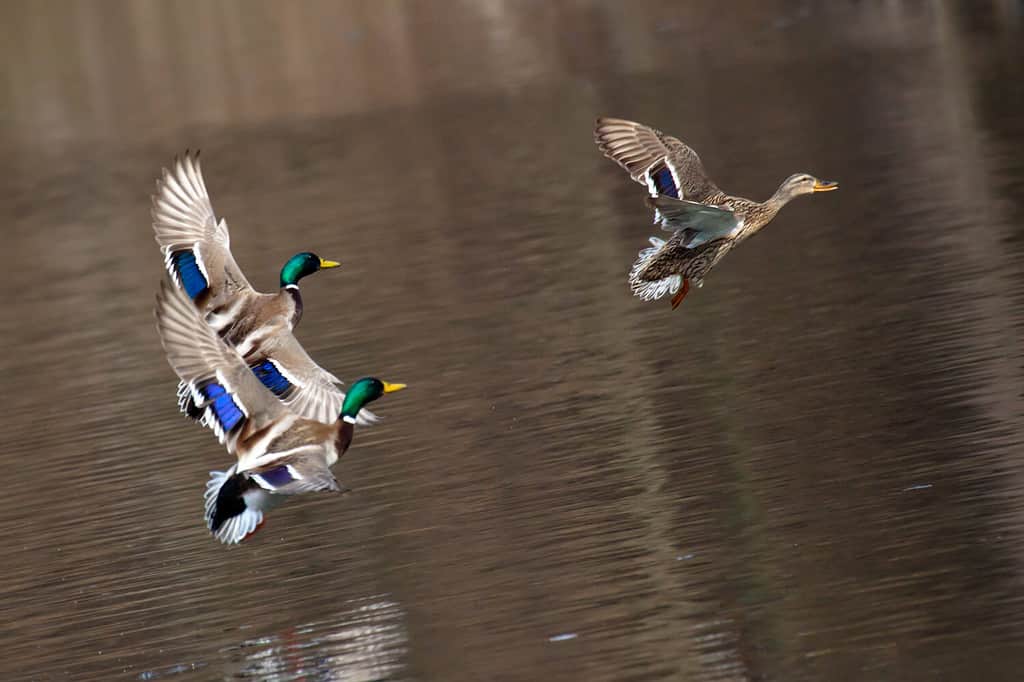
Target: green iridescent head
302, 264
362, 393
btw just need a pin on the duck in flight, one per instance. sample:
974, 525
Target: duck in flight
197, 254
706, 223
279, 451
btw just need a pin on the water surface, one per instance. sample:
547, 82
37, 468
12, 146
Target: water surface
810, 471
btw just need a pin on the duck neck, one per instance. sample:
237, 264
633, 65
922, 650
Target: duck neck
767, 211
356, 398
346, 430
757, 215
292, 291
781, 197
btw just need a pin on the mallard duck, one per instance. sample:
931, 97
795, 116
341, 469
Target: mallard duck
706, 222
197, 255
279, 451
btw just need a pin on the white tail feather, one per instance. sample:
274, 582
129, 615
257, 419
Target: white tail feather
239, 527
650, 291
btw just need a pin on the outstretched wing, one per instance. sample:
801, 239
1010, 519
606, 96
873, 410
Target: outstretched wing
702, 223
196, 247
222, 386
305, 387
662, 163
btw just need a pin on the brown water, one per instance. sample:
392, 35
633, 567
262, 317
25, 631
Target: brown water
810, 471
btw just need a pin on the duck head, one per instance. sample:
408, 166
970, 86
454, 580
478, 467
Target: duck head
362, 393
302, 264
802, 183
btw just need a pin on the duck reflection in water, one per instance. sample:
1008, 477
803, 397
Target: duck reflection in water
365, 641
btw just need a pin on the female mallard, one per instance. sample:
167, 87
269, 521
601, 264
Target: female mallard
706, 222
197, 254
279, 451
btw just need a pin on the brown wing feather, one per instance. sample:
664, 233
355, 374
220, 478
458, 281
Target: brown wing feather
636, 147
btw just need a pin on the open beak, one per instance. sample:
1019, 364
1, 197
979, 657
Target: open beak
324, 264
825, 186
391, 388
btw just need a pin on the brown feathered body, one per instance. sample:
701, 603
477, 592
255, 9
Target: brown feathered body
706, 223
678, 257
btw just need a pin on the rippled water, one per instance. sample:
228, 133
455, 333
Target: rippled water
810, 471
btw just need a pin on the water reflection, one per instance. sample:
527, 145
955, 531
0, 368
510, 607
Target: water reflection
365, 641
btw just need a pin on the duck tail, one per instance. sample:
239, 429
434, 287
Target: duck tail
650, 290
234, 506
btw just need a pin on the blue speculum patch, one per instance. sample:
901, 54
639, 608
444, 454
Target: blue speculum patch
271, 377
277, 477
188, 270
664, 183
223, 406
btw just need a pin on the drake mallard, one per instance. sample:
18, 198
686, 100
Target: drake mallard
705, 221
197, 254
279, 451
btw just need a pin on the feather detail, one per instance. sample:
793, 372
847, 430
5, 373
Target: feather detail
272, 377
224, 411
646, 290
661, 180
705, 223
188, 272
182, 212
645, 153
219, 383
233, 508
187, 402
291, 475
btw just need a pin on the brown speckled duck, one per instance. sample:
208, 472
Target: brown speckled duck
705, 221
